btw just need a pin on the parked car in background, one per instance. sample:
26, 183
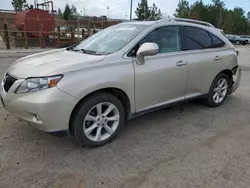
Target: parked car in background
78, 33
236, 39
246, 38
96, 30
63, 31
103, 17
126, 70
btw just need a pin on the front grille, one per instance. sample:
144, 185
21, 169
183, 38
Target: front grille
8, 82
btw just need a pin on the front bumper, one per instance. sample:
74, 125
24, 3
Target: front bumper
236, 81
48, 109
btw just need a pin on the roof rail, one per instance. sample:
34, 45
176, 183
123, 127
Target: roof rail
191, 21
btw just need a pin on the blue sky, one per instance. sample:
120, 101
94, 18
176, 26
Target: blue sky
120, 8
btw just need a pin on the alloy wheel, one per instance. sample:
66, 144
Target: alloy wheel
101, 121
220, 90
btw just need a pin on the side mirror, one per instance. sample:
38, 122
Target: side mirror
148, 49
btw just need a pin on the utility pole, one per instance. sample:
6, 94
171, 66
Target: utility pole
131, 6
84, 12
108, 12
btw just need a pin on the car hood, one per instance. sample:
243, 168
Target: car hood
51, 63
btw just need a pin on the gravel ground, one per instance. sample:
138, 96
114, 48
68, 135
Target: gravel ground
188, 145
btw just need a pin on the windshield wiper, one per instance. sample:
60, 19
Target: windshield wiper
84, 51
72, 47
91, 52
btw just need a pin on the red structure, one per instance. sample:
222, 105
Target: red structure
33, 19
195, 18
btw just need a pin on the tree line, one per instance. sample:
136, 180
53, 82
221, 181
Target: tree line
231, 21
69, 13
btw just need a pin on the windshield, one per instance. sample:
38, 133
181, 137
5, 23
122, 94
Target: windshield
110, 40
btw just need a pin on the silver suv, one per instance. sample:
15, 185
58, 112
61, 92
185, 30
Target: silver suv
126, 70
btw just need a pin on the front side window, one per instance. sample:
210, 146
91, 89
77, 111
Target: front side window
110, 40
168, 39
196, 38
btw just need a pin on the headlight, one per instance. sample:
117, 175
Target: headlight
36, 84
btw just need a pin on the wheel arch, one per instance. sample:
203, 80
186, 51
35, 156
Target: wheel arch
229, 74
119, 93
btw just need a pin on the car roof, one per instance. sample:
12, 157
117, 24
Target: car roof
168, 21
179, 21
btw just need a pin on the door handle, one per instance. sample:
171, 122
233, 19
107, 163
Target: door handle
217, 58
181, 63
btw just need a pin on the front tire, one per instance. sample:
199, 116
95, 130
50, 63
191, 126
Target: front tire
98, 119
218, 91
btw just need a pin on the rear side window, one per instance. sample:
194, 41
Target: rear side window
196, 38
217, 43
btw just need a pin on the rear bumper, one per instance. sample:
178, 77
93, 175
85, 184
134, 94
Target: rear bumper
236, 81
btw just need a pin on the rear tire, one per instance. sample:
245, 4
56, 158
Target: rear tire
218, 91
98, 119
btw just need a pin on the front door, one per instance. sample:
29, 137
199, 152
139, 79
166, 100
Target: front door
162, 78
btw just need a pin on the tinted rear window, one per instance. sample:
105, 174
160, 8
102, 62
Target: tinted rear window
197, 38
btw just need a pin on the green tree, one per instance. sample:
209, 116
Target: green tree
235, 22
74, 13
59, 13
240, 22
159, 14
70, 13
182, 10
155, 13
28, 7
199, 11
67, 12
144, 12
228, 24
231, 21
217, 12
19, 5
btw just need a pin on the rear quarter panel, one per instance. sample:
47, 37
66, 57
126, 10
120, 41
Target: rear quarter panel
202, 68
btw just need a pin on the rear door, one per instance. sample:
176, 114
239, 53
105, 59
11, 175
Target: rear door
206, 57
